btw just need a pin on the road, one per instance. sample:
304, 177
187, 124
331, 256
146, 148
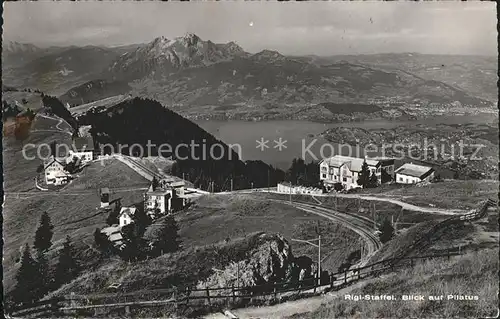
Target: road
138, 167
440, 211
291, 308
404, 205
71, 193
57, 126
106, 102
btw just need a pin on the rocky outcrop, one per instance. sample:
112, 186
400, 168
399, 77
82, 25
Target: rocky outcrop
270, 261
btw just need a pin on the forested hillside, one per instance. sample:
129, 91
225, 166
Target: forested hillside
199, 156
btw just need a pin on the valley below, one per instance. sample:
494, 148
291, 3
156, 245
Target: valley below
313, 141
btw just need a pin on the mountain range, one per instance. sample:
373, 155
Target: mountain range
199, 78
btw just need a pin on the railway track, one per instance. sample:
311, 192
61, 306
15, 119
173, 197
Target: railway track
362, 227
140, 168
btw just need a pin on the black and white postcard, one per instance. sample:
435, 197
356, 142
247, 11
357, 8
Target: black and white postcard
250, 159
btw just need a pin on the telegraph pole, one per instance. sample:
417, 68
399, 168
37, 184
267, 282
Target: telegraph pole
336, 202
290, 192
374, 217
319, 260
362, 249
268, 181
231, 184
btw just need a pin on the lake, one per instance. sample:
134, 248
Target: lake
300, 134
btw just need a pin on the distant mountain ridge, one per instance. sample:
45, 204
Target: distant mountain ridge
163, 56
14, 47
197, 77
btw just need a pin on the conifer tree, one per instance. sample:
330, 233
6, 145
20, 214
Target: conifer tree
364, 175
385, 177
43, 234
373, 181
26, 279
67, 267
141, 221
113, 215
135, 245
165, 237
154, 183
101, 241
44, 280
386, 231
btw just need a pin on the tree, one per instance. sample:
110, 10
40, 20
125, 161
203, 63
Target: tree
373, 182
385, 177
154, 183
26, 279
301, 173
113, 214
386, 231
102, 242
141, 220
39, 169
135, 246
43, 235
73, 166
364, 175
338, 187
437, 178
163, 237
67, 267
44, 282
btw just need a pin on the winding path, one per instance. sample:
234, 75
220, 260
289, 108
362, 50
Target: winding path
440, 211
57, 126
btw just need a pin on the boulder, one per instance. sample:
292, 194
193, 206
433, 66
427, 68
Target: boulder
269, 261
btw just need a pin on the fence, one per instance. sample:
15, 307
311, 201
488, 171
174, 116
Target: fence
426, 238
208, 298
212, 298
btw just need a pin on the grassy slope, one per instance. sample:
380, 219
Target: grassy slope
475, 273
107, 173
19, 171
72, 211
350, 205
34, 99
447, 194
480, 234
217, 217
204, 228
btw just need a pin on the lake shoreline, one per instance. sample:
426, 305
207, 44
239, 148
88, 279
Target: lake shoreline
300, 134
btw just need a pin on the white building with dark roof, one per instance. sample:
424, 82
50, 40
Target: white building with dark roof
346, 169
167, 196
412, 174
83, 149
126, 216
54, 171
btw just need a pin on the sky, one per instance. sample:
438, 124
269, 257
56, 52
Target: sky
293, 28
